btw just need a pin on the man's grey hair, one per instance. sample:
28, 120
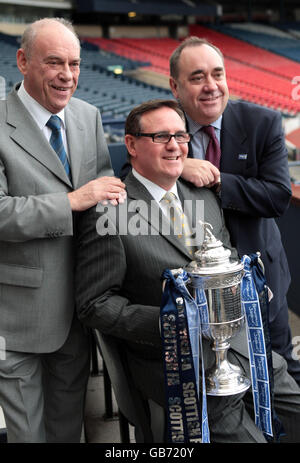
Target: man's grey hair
188, 42
31, 31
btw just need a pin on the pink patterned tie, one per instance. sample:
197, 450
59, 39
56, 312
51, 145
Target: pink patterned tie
213, 151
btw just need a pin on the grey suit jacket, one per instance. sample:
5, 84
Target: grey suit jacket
118, 276
36, 222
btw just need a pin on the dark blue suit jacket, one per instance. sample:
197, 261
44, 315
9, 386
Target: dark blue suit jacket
256, 188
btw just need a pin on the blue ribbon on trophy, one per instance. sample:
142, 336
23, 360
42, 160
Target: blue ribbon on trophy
257, 352
182, 344
183, 322
255, 302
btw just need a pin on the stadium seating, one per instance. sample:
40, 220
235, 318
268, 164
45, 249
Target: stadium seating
293, 28
247, 53
279, 44
253, 74
9, 70
154, 51
115, 95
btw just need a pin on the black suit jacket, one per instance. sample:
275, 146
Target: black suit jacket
256, 188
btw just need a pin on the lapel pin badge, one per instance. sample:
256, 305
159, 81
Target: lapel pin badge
242, 156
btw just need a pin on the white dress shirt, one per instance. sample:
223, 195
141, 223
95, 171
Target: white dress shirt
156, 191
41, 115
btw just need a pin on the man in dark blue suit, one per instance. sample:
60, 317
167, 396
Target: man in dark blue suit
251, 178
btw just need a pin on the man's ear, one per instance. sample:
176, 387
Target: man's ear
22, 61
130, 142
173, 86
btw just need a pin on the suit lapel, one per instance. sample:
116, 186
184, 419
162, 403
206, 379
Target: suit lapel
75, 134
29, 137
233, 141
185, 195
137, 191
190, 152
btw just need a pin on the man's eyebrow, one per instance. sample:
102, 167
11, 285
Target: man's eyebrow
56, 57
219, 68
201, 71
197, 71
53, 57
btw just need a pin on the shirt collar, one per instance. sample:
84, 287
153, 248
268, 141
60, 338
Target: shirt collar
156, 191
194, 126
40, 114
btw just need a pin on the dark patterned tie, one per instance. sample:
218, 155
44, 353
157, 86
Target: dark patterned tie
56, 142
213, 151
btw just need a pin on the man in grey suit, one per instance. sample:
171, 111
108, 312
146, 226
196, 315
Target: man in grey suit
122, 253
45, 368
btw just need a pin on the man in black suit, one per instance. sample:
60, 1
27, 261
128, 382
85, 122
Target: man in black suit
122, 252
252, 177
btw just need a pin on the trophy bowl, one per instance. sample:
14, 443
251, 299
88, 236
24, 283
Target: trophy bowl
220, 277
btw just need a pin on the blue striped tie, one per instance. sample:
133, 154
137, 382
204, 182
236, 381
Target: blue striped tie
56, 142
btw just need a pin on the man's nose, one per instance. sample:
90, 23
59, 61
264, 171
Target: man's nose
210, 84
172, 143
65, 72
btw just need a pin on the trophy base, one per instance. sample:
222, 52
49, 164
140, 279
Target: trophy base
229, 382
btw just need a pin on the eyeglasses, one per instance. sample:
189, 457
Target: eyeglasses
162, 137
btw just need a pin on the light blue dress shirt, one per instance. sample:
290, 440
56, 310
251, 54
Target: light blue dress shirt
199, 139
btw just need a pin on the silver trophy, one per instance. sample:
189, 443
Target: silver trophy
221, 278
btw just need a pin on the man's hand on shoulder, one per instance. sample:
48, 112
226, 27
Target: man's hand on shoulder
200, 172
102, 189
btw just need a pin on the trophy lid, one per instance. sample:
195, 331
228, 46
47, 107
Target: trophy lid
212, 258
